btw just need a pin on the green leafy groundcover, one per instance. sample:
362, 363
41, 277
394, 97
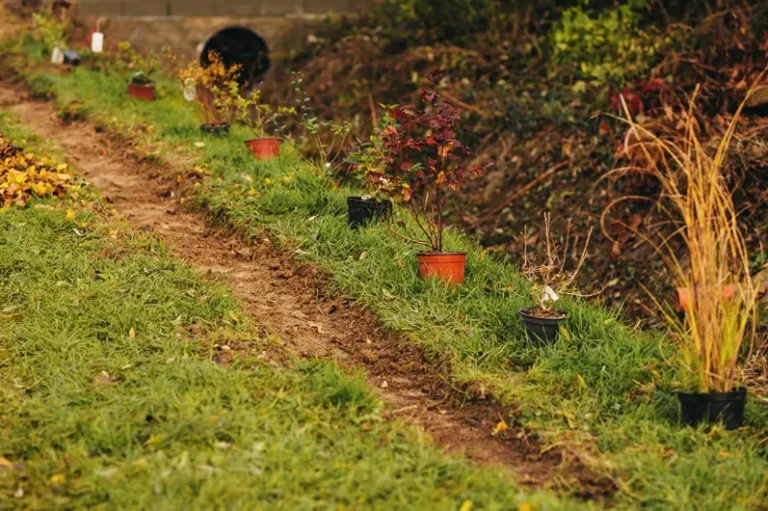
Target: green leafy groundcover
110, 399
603, 391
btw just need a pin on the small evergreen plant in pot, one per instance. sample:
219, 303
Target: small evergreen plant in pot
421, 165
717, 326
141, 69
210, 90
260, 118
550, 280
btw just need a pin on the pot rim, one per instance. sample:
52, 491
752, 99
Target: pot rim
367, 202
737, 392
143, 85
420, 254
263, 139
564, 314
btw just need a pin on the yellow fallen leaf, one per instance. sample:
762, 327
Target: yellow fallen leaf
467, 505
131, 333
70, 214
58, 478
5, 463
524, 507
500, 428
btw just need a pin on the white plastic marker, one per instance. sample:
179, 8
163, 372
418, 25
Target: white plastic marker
57, 56
190, 89
549, 295
97, 42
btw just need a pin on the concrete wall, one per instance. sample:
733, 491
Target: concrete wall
239, 8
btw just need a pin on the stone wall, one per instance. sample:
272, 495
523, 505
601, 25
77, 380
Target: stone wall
238, 8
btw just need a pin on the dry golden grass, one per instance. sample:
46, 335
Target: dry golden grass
718, 320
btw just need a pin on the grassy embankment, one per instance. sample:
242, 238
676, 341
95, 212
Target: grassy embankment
603, 390
111, 398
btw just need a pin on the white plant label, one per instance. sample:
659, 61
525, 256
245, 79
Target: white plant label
549, 295
57, 56
190, 89
97, 42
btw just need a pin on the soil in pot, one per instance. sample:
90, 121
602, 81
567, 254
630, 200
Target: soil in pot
215, 129
145, 91
363, 211
710, 407
542, 327
264, 148
447, 266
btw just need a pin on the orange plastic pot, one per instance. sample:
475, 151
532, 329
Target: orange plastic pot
446, 266
142, 91
683, 297
264, 148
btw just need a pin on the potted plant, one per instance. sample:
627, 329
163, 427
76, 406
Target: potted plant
258, 117
420, 165
550, 281
210, 89
141, 69
366, 161
719, 311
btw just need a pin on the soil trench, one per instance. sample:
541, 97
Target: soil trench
287, 300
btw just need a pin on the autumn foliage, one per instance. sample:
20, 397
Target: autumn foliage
421, 161
23, 176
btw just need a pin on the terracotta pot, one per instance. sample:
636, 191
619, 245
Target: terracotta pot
683, 296
264, 148
447, 266
142, 91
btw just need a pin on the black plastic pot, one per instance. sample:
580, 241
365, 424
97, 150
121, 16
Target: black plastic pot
362, 211
542, 331
215, 129
709, 407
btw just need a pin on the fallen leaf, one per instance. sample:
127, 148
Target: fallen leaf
467, 505
500, 428
58, 478
5, 464
105, 379
131, 333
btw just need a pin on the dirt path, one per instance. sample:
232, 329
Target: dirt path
287, 300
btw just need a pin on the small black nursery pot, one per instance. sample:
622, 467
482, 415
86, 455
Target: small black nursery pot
215, 129
542, 330
362, 211
709, 407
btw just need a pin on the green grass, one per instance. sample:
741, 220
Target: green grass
111, 399
603, 390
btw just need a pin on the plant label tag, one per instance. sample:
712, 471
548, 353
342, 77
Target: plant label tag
190, 89
549, 295
57, 56
97, 42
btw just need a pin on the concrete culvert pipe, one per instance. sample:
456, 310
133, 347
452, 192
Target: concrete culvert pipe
240, 45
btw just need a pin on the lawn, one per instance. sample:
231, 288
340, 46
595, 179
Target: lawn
111, 397
603, 392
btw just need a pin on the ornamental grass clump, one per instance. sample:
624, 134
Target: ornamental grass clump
719, 319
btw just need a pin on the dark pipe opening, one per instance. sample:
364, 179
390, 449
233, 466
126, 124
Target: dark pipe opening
240, 45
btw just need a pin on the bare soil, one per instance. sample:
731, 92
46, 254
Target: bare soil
288, 300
